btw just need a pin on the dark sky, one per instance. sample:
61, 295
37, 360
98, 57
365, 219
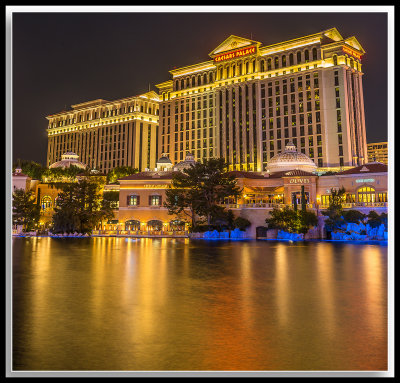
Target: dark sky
60, 59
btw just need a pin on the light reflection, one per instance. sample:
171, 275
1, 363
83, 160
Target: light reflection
375, 287
108, 303
325, 279
282, 283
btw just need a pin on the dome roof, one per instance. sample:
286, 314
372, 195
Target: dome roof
290, 159
164, 159
189, 161
68, 159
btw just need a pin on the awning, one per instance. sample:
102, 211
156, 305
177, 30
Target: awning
265, 189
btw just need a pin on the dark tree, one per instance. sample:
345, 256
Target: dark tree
25, 210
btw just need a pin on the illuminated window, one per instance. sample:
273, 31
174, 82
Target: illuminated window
46, 203
366, 194
154, 200
133, 200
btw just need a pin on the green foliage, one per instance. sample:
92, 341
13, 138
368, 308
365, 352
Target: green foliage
292, 221
110, 199
353, 216
221, 219
375, 220
241, 223
119, 172
80, 207
335, 209
56, 175
25, 211
30, 168
198, 191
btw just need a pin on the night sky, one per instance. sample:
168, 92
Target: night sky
60, 59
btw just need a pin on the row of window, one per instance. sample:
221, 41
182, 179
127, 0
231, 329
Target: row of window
365, 194
93, 115
240, 68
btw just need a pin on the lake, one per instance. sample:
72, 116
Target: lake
167, 304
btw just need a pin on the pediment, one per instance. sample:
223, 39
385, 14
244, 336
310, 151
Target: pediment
353, 42
231, 43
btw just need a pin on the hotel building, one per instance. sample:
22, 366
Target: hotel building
141, 196
378, 151
106, 134
249, 100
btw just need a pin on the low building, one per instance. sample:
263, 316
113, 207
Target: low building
20, 180
142, 195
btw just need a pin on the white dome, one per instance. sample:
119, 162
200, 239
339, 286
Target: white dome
68, 159
290, 159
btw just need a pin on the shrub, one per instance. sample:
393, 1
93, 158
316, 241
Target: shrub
353, 216
241, 223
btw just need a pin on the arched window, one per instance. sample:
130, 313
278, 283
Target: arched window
254, 66
46, 202
220, 73
247, 67
283, 60
314, 54
262, 65
366, 194
334, 60
269, 64
291, 60
182, 84
176, 84
306, 56
233, 70
205, 78
154, 224
276, 63
132, 224
298, 57
192, 82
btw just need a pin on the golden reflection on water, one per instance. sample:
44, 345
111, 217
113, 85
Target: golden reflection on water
175, 304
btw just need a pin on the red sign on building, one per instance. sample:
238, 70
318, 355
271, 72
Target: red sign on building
235, 54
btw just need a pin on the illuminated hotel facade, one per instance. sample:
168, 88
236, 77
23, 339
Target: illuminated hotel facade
249, 100
107, 134
245, 105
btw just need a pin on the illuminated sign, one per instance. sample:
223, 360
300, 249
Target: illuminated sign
156, 186
299, 181
351, 52
366, 180
235, 54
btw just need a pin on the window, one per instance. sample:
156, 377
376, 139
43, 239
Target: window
366, 194
154, 200
46, 202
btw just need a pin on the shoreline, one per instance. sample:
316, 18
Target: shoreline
364, 241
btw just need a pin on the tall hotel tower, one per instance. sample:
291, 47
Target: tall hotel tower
106, 134
249, 100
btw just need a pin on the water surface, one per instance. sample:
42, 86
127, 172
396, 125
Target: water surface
174, 304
